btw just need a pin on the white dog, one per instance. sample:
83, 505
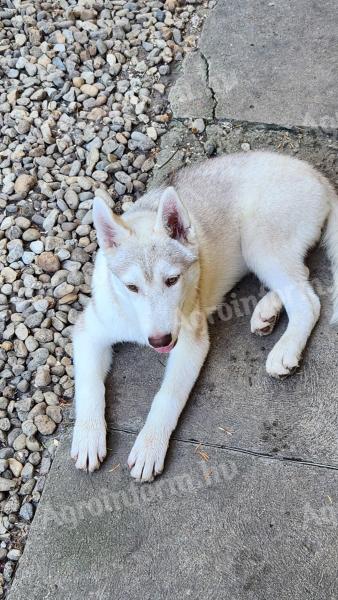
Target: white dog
165, 266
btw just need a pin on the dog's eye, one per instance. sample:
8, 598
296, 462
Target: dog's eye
172, 280
132, 288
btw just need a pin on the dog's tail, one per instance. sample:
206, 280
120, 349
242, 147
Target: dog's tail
331, 241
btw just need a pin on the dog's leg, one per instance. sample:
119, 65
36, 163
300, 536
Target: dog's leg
302, 306
92, 359
266, 313
185, 361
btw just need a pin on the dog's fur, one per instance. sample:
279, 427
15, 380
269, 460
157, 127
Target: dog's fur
256, 211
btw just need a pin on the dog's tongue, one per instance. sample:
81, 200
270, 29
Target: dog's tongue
165, 349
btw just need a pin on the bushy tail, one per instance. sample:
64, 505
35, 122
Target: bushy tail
331, 239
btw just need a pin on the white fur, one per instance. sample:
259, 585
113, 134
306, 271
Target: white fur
257, 212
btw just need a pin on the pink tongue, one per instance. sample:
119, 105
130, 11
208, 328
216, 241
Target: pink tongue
165, 349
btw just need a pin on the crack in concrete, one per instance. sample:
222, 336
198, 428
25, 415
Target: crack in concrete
210, 88
237, 450
249, 126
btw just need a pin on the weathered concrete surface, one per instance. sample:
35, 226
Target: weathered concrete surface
235, 527
194, 81
270, 62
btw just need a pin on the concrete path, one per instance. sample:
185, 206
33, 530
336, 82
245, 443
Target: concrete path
261, 61
247, 506
235, 527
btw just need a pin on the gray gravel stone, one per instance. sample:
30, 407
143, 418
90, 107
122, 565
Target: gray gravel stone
6, 484
32, 443
44, 424
29, 428
3, 465
198, 126
15, 466
14, 554
5, 424
11, 506
26, 511
27, 472
42, 377
24, 183
21, 331
63, 289
50, 220
142, 141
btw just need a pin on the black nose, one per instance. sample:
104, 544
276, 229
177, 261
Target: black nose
160, 341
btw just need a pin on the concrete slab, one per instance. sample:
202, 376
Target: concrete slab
270, 62
235, 527
194, 84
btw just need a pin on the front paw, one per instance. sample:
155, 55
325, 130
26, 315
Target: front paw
89, 445
146, 459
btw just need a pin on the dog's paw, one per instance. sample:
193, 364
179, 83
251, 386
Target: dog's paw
265, 315
283, 360
262, 325
146, 459
89, 445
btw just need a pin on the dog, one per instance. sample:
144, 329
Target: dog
165, 266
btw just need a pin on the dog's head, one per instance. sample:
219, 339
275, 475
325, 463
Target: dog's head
153, 261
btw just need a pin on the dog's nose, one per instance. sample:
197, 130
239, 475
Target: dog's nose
160, 341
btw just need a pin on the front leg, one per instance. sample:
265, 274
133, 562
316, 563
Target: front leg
146, 459
92, 360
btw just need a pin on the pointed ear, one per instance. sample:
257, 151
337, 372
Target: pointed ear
110, 230
173, 217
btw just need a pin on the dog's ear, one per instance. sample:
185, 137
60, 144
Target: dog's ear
110, 229
173, 217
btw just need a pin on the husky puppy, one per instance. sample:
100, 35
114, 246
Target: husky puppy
165, 266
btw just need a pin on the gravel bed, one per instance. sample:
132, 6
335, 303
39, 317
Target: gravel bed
83, 105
